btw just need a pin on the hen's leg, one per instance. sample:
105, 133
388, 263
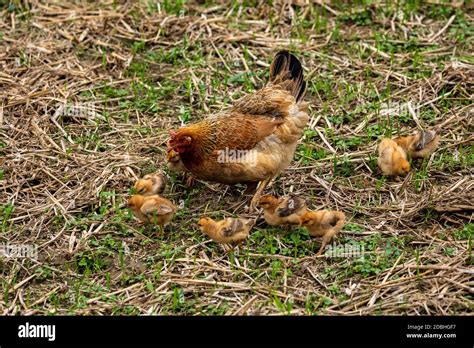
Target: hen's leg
189, 180
251, 186
256, 197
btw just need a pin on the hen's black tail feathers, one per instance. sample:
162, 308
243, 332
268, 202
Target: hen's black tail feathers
286, 70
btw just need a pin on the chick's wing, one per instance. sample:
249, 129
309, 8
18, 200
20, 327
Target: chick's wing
232, 227
289, 205
153, 207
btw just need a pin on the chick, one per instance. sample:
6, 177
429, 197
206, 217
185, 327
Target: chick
420, 145
227, 231
151, 184
176, 165
285, 210
392, 158
174, 162
152, 209
323, 223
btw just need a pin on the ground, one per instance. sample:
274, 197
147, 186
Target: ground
90, 91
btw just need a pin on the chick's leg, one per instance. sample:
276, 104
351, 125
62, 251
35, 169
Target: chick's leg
238, 244
233, 246
326, 239
230, 250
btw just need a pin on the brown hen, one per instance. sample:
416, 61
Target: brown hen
255, 139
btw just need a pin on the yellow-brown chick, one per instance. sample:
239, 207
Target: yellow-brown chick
152, 209
151, 184
174, 162
226, 231
392, 158
420, 145
323, 223
285, 210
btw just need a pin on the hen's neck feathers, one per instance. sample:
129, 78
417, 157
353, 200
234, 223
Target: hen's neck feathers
203, 140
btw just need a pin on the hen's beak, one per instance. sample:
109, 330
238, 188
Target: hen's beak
173, 147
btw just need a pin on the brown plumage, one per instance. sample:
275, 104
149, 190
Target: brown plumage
226, 231
263, 127
323, 223
152, 209
420, 145
392, 158
285, 210
151, 184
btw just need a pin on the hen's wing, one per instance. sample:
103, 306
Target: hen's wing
238, 131
256, 116
270, 101
290, 205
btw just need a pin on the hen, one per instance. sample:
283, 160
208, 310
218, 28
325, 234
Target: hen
255, 139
